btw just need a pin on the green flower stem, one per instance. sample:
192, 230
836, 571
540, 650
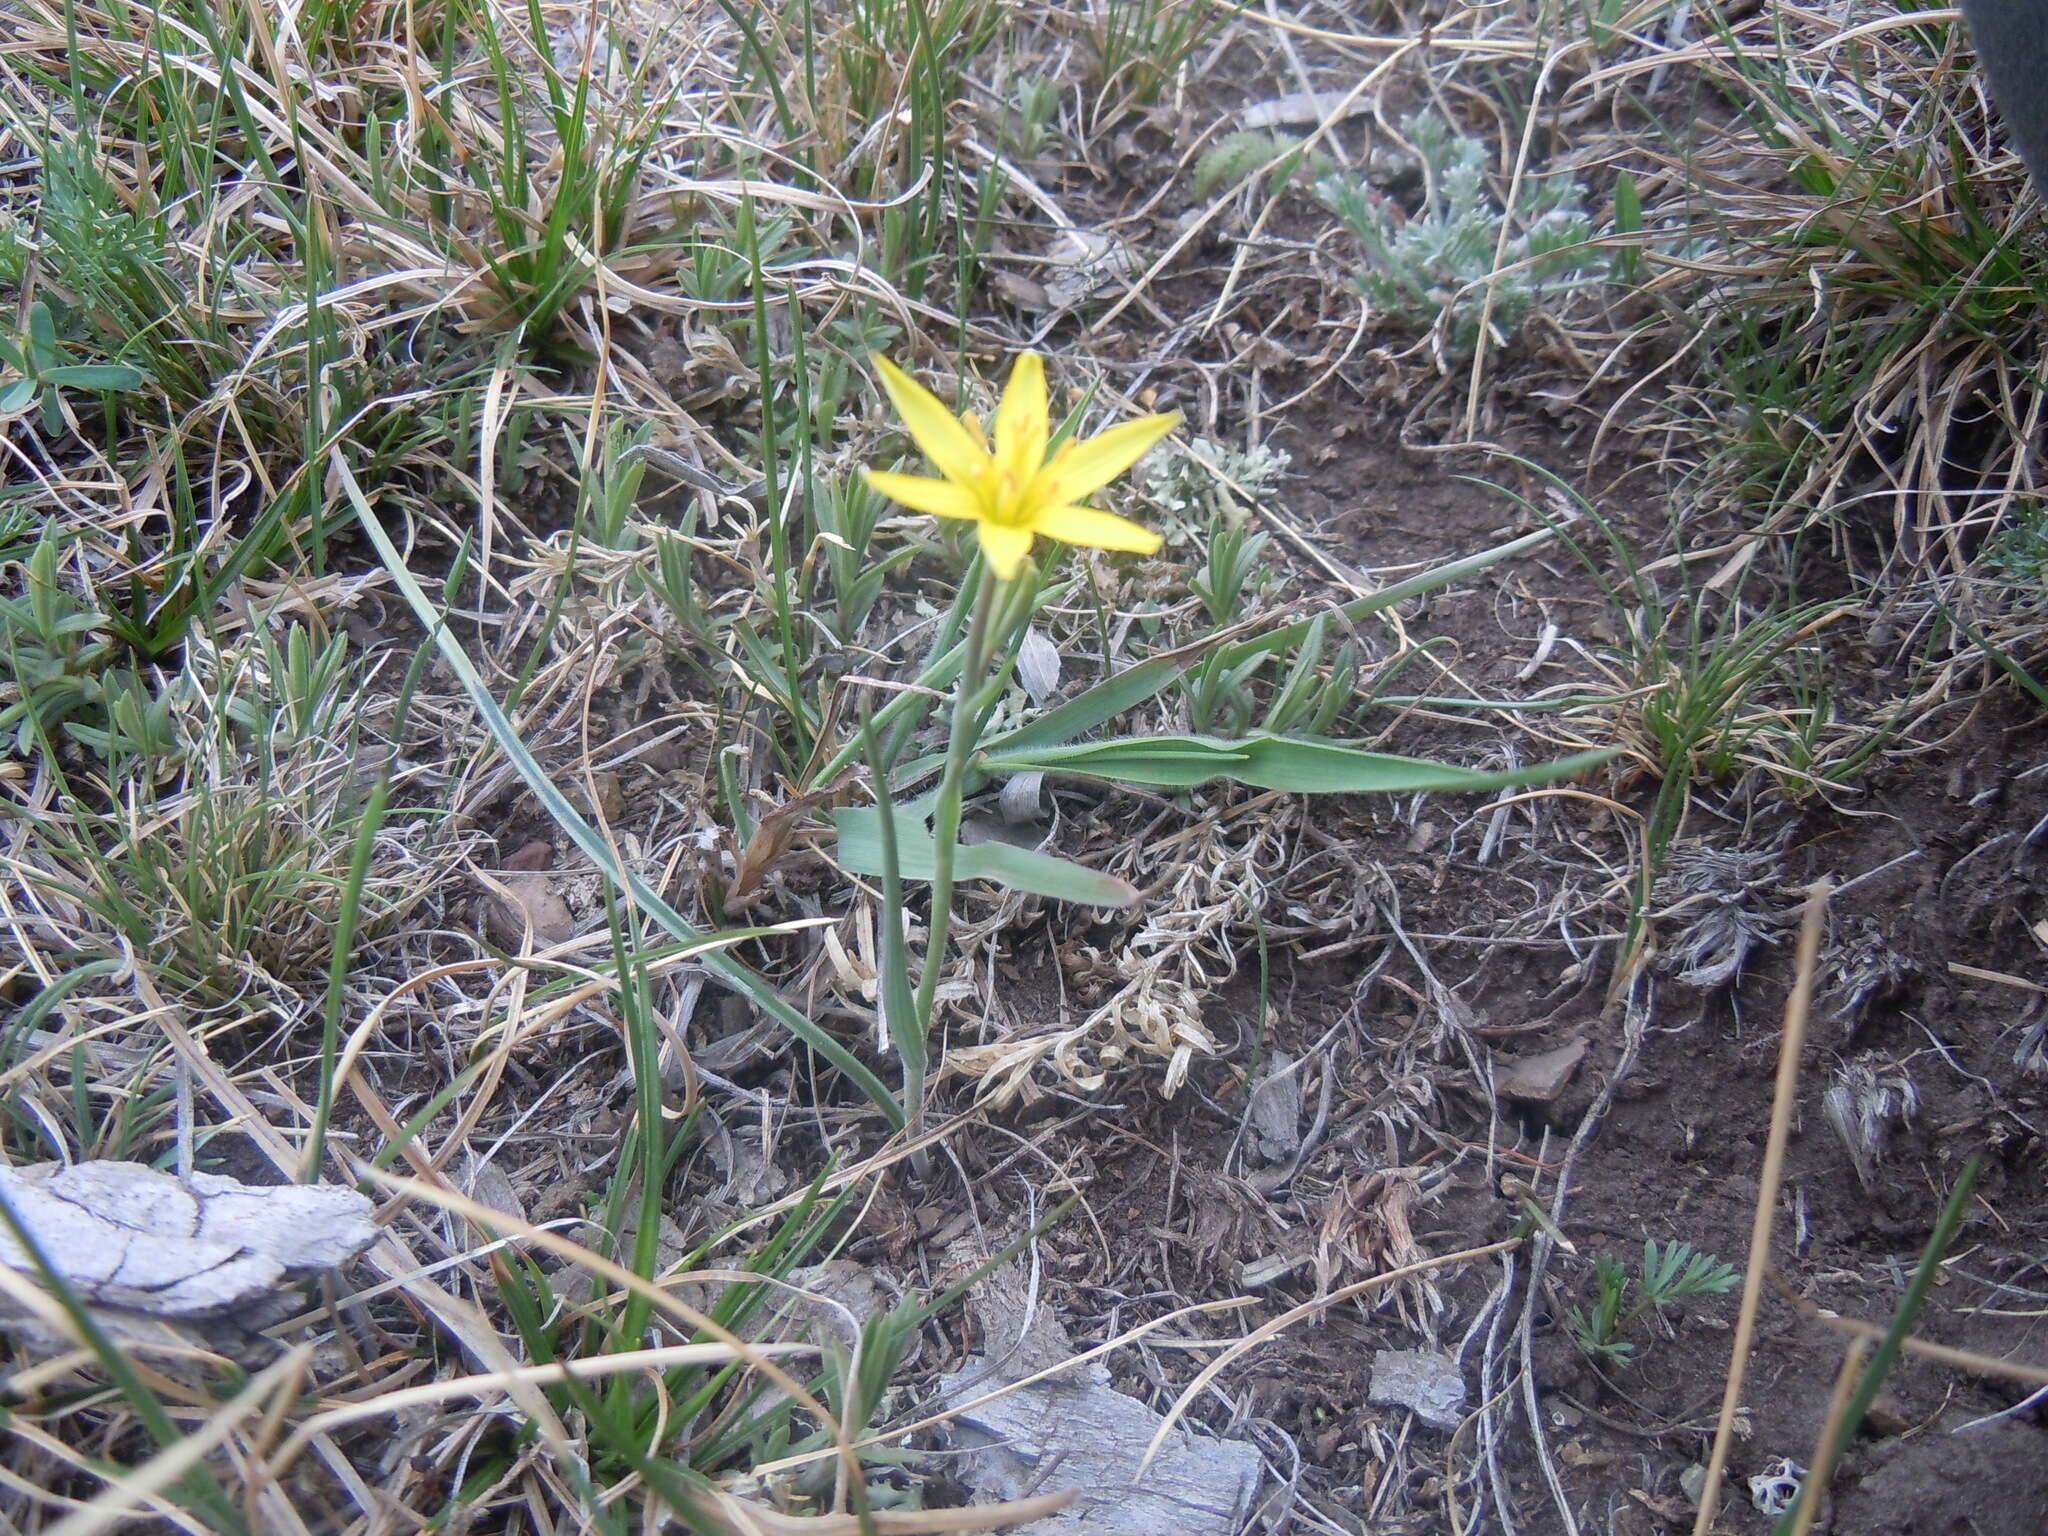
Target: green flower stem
960, 743
999, 608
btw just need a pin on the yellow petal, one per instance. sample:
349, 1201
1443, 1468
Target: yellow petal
1080, 469
1005, 548
937, 430
941, 498
1021, 426
1098, 530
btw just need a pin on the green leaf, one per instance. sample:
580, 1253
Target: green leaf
42, 332
1628, 205
1131, 687
95, 376
1273, 762
17, 397
1628, 220
1109, 698
899, 1004
1021, 869
1287, 636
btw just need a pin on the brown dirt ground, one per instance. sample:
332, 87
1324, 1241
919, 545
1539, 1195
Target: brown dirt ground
1175, 1207
1675, 1157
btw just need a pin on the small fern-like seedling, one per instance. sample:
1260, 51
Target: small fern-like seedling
1670, 1273
1428, 269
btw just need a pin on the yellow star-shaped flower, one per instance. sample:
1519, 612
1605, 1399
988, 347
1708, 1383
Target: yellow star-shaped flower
1015, 491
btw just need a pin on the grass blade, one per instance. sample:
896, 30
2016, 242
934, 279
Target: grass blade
732, 972
1887, 1355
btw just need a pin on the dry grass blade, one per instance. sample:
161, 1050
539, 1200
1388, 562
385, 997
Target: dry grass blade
463, 1320
660, 1297
1783, 1102
127, 1494
490, 1383
1822, 1464
1963, 1359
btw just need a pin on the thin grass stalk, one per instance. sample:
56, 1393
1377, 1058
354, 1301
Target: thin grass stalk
1823, 1462
1783, 1101
902, 715
769, 70
558, 594
733, 972
643, 1060
345, 925
773, 501
126, 1496
926, 136
960, 743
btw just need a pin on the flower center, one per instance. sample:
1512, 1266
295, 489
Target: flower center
1007, 498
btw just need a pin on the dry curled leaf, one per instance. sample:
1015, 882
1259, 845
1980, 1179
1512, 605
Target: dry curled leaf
1038, 666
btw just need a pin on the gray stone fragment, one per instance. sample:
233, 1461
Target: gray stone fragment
1428, 1385
1072, 1430
124, 1235
1540, 1078
1084, 1435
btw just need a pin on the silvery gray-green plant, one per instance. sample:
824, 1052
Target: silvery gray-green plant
1208, 480
1429, 268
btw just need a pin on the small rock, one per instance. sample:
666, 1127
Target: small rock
528, 900
1692, 1482
1540, 1078
1889, 1417
1275, 1109
1428, 1385
169, 1261
1300, 109
609, 803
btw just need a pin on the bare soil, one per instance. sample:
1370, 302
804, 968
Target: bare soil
1479, 965
1181, 1210
1479, 954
